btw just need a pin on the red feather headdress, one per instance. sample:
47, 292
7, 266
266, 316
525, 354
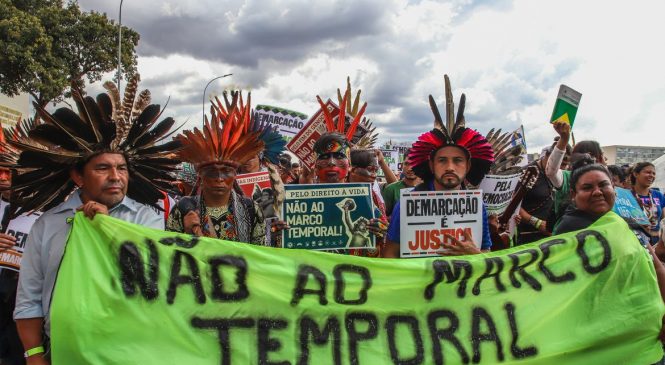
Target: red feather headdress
226, 138
454, 133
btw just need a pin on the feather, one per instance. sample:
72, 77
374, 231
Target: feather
50, 119
141, 103
450, 106
438, 122
354, 124
114, 94
330, 124
128, 100
460, 122
341, 117
159, 130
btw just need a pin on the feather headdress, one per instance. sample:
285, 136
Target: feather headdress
453, 133
67, 139
506, 156
227, 137
344, 134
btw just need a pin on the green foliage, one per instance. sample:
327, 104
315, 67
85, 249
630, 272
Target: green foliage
45, 45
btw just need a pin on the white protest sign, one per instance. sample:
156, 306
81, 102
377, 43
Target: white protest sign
285, 122
426, 216
498, 191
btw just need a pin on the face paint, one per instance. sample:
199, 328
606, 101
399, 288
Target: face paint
332, 167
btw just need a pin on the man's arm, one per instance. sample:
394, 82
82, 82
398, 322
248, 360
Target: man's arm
30, 332
28, 312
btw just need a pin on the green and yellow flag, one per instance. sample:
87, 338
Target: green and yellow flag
126, 294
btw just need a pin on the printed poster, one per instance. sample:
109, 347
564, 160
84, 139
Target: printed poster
427, 216
254, 182
328, 216
286, 122
302, 144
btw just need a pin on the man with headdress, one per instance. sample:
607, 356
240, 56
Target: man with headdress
334, 149
105, 159
226, 143
445, 158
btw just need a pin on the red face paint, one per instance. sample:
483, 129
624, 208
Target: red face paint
332, 168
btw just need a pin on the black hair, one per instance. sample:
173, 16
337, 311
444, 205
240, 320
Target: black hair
362, 158
590, 147
581, 164
637, 168
616, 171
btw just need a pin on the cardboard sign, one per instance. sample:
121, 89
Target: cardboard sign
286, 122
426, 216
253, 182
498, 191
628, 208
328, 216
302, 144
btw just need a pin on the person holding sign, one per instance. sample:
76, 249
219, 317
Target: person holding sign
332, 164
111, 153
226, 143
445, 158
391, 192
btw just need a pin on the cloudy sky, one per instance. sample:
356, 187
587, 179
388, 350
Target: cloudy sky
508, 57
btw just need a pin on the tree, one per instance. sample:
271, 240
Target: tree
45, 45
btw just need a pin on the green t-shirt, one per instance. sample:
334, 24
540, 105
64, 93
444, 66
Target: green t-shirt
562, 198
391, 195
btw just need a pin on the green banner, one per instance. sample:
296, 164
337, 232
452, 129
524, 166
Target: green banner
126, 294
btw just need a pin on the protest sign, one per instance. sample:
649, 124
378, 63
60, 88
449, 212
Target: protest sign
303, 142
391, 157
286, 122
328, 216
154, 297
427, 216
627, 207
18, 228
498, 191
254, 182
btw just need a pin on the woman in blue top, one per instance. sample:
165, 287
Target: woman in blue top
651, 200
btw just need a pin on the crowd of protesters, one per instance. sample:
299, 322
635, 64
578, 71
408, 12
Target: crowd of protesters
107, 158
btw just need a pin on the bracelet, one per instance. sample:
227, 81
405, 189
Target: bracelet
34, 351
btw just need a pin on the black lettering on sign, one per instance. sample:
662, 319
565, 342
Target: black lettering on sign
490, 263
517, 268
355, 335
515, 350
193, 278
223, 327
448, 334
480, 315
218, 292
340, 285
132, 270
581, 252
179, 241
269, 344
553, 278
412, 323
300, 290
330, 333
443, 268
